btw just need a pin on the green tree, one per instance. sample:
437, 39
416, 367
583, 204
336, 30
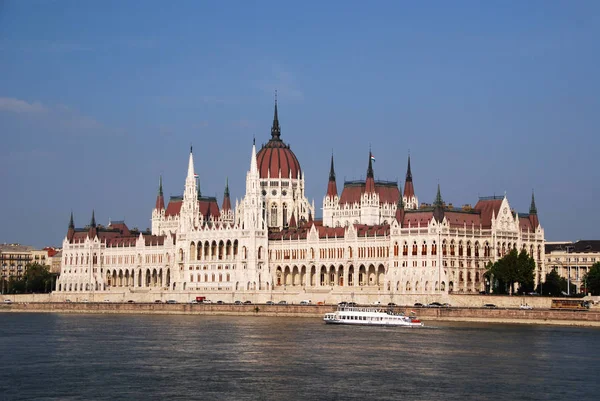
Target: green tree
37, 278
556, 285
592, 279
513, 268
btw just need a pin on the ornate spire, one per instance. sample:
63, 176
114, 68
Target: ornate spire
191, 173
532, 208
400, 204
331, 185
408, 172
370, 183
438, 206
71, 222
93, 222
409, 189
370, 168
438, 198
275, 129
160, 200
331, 170
226, 200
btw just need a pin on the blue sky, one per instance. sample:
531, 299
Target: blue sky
97, 99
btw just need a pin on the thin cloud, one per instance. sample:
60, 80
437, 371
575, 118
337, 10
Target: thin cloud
14, 105
281, 80
60, 116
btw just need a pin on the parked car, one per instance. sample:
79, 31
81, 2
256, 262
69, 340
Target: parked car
528, 307
391, 304
270, 303
131, 301
220, 302
343, 303
434, 305
7, 301
418, 304
247, 302
193, 301
490, 306
376, 303
351, 304
171, 301
107, 301
207, 301
305, 302
237, 303
282, 302
446, 305
67, 300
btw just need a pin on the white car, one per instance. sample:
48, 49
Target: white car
528, 307
7, 301
207, 301
376, 303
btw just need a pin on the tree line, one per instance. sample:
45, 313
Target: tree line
515, 273
37, 279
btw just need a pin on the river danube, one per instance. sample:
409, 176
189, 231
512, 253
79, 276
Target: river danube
85, 357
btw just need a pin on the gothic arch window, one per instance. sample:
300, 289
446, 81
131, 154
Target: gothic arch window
274, 214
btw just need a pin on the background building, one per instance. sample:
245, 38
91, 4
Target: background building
572, 260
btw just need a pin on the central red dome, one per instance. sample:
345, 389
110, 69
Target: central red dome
276, 156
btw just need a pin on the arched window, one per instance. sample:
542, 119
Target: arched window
274, 214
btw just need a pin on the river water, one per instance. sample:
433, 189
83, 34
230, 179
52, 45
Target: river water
107, 357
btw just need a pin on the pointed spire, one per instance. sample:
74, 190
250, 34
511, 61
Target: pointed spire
438, 206
370, 168
253, 163
409, 189
370, 183
93, 222
71, 222
292, 222
331, 170
226, 200
331, 185
400, 208
408, 172
438, 198
400, 204
160, 200
275, 129
532, 208
191, 173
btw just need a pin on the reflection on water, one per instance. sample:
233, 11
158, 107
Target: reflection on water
83, 357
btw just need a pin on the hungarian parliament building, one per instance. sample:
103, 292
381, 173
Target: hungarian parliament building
374, 241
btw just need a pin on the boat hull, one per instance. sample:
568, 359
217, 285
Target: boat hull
370, 317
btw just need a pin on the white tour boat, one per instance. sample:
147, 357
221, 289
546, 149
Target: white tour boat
370, 316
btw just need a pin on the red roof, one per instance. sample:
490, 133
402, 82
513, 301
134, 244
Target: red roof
174, 207
409, 189
276, 156
459, 219
388, 192
209, 207
117, 234
421, 218
226, 204
487, 207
